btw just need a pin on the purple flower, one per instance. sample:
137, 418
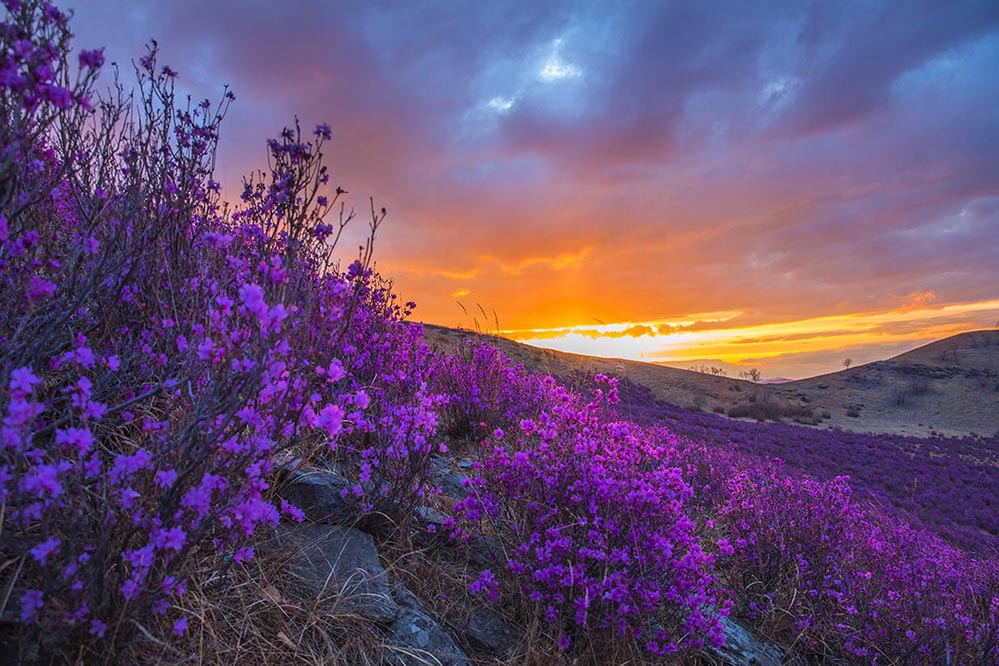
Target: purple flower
60, 97
79, 438
23, 379
292, 511
42, 551
130, 590
43, 479
40, 289
165, 478
362, 400
140, 558
97, 628
31, 603
179, 627
487, 583
92, 59
171, 539
330, 419
323, 131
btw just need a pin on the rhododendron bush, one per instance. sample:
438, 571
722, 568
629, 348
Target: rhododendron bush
593, 521
157, 352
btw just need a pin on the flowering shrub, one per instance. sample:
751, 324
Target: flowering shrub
946, 485
393, 442
813, 567
592, 519
157, 353
484, 390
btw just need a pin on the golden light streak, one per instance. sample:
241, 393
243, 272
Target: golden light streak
707, 336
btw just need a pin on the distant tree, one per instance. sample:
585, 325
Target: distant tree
752, 375
847, 362
708, 369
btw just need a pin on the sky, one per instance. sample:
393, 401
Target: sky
777, 185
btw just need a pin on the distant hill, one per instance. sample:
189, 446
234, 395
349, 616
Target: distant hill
949, 387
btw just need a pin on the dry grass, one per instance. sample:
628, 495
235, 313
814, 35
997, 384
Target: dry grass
246, 615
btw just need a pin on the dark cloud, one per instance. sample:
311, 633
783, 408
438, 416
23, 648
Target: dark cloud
854, 58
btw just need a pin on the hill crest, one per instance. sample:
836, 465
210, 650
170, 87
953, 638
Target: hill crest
947, 387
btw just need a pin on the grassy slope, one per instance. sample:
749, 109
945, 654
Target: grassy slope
948, 387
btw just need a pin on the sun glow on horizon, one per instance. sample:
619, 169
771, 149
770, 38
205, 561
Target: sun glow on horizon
789, 348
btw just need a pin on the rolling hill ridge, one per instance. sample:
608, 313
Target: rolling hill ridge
949, 387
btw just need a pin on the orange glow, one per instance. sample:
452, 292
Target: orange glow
788, 349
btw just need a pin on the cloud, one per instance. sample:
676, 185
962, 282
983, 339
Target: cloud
626, 162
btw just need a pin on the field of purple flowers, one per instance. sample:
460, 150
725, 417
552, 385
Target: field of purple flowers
947, 485
161, 353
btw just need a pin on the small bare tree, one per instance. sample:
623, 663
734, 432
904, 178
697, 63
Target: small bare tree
752, 375
847, 362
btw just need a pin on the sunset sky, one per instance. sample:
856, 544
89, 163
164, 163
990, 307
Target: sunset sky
775, 185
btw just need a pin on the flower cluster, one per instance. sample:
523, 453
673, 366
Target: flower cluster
592, 515
485, 391
157, 354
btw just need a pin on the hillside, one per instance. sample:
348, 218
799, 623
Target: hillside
949, 387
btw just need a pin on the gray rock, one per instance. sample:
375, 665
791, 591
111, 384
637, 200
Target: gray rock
430, 526
426, 515
741, 649
492, 633
416, 639
341, 564
319, 495
449, 482
485, 550
452, 485
439, 465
